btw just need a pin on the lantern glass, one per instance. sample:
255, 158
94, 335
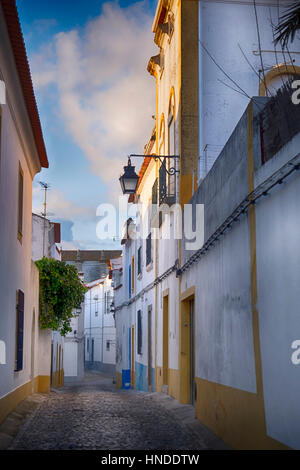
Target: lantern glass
129, 179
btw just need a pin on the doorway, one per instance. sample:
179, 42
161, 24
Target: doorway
192, 353
165, 339
150, 348
187, 359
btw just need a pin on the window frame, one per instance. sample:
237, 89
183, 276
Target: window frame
139, 345
149, 249
19, 345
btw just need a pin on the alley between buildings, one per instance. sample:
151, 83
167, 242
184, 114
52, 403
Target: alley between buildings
94, 414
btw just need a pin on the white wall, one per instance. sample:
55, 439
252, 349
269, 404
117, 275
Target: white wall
278, 279
15, 256
99, 325
222, 26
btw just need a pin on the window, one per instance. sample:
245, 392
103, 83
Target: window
107, 345
88, 345
20, 203
139, 332
171, 145
140, 260
154, 192
108, 299
19, 331
148, 249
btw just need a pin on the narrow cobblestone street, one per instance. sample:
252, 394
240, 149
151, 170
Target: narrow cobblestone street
96, 415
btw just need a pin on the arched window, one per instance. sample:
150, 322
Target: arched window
162, 135
171, 141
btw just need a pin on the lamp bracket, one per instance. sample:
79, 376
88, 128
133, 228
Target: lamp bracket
161, 159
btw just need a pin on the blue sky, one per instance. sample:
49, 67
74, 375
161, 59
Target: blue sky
88, 61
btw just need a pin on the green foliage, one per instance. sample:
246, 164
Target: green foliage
60, 292
289, 24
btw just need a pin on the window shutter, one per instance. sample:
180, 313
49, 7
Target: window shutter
140, 260
20, 331
148, 250
57, 237
139, 332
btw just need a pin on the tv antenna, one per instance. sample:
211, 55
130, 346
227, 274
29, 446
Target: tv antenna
45, 187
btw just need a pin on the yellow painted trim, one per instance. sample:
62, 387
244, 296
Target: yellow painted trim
165, 292
276, 72
44, 383
165, 338
36, 384
162, 135
180, 197
172, 96
156, 246
188, 293
158, 378
233, 415
173, 383
186, 187
162, 126
10, 401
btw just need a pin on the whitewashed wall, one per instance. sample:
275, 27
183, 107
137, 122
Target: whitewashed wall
99, 325
15, 270
278, 280
223, 26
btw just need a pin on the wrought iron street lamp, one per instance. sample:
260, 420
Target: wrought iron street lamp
129, 179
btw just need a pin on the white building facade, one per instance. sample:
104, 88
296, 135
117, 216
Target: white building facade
211, 335
26, 363
99, 326
74, 348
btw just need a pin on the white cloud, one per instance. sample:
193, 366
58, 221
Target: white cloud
105, 95
60, 207
84, 220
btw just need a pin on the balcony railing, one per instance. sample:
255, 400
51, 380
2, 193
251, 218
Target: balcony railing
166, 185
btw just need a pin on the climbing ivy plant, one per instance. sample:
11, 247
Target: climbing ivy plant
61, 291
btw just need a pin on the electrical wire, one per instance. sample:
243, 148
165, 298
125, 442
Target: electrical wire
259, 46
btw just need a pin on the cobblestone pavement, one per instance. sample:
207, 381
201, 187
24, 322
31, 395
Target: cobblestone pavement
96, 415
